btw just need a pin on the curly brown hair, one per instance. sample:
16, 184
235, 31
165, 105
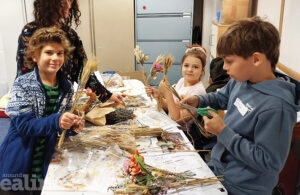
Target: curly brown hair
41, 38
47, 13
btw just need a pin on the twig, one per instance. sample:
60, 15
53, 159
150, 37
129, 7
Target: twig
201, 128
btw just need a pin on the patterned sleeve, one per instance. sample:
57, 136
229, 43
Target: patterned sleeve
98, 88
23, 40
21, 101
79, 59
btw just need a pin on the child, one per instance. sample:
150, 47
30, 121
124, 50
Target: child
62, 14
254, 138
38, 105
192, 68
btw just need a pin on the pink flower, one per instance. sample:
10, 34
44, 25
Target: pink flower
157, 67
126, 165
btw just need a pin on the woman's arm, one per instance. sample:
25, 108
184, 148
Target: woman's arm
76, 68
23, 40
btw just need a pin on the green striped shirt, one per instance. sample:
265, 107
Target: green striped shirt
40, 143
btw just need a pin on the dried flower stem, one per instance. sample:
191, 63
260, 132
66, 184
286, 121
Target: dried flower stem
167, 63
88, 69
195, 120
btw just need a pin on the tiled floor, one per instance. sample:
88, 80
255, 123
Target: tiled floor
4, 124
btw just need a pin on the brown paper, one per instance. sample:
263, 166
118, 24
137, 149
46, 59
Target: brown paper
97, 115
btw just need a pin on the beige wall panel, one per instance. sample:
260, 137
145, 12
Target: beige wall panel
114, 34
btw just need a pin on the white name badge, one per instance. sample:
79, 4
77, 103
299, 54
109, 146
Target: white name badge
241, 107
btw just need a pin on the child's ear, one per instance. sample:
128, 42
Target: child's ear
257, 58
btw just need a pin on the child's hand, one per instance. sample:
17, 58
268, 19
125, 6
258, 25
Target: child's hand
79, 125
214, 125
190, 100
164, 87
67, 120
148, 90
151, 92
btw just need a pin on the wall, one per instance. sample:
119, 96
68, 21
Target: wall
210, 9
84, 29
270, 10
107, 31
290, 39
11, 22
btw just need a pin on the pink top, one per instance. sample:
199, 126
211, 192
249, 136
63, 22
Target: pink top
196, 89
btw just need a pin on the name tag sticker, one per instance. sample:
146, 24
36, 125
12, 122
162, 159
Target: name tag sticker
241, 107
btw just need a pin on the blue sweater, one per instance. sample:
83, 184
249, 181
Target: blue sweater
253, 147
26, 108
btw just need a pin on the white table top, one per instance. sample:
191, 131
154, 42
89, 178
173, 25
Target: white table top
92, 171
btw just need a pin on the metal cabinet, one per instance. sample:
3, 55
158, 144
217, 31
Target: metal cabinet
163, 27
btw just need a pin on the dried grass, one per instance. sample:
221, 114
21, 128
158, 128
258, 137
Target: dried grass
88, 69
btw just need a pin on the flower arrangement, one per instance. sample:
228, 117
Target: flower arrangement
141, 58
149, 180
156, 68
167, 62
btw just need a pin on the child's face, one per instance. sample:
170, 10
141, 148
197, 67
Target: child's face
192, 69
50, 59
238, 68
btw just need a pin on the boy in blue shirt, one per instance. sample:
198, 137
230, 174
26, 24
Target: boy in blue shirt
253, 139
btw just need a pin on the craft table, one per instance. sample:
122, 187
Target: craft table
86, 171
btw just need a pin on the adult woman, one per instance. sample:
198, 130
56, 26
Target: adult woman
62, 14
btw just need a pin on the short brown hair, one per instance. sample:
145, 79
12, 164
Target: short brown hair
246, 36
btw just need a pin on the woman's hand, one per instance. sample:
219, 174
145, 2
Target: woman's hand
118, 98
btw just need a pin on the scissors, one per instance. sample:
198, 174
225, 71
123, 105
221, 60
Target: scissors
200, 111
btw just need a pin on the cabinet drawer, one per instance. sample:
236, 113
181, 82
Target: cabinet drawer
164, 6
164, 28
